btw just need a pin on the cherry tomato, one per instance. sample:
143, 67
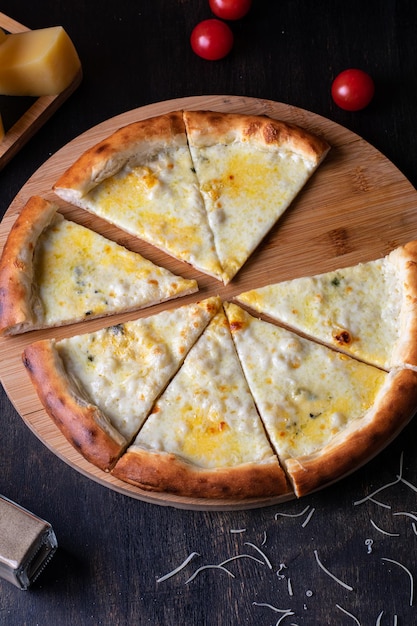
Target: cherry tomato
353, 90
230, 9
212, 39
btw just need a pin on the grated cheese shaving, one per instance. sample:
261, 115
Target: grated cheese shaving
414, 517
386, 486
349, 614
409, 574
368, 543
241, 556
308, 518
384, 532
320, 564
200, 569
179, 568
378, 619
267, 561
273, 608
292, 514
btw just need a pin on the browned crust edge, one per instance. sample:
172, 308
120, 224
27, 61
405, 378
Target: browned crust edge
205, 128
394, 407
164, 472
82, 423
17, 299
405, 259
109, 155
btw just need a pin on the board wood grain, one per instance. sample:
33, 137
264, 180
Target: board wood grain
357, 207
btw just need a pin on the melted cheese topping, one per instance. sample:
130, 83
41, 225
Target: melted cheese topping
207, 415
246, 190
122, 369
306, 393
80, 273
355, 309
159, 201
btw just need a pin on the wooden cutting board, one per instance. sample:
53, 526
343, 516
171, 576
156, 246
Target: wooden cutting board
36, 114
357, 207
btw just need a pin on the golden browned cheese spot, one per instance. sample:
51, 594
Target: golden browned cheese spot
342, 337
236, 326
153, 282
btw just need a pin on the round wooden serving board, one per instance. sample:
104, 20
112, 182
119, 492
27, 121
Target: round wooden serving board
357, 207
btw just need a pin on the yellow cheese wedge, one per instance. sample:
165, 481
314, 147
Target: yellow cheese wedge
37, 62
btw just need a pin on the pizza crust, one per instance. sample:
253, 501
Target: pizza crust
20, 307
210, 128
405, 260
394, 407
166, 472
131, 143
83, 424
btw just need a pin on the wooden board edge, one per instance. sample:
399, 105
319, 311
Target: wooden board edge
36, 116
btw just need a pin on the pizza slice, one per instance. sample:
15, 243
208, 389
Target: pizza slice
250, 169
325, 412
204, 437
141, 179
368, 310
55, 272
99, 387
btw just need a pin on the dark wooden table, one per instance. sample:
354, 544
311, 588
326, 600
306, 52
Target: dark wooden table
113, 548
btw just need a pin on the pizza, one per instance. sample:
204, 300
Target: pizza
368, 310
55, 272
203, 187
205, 400
204, 435
99, 387
325, 413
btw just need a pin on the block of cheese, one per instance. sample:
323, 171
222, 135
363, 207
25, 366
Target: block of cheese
37, 62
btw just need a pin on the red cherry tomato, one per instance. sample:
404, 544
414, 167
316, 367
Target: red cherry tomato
212, 39
353, 90
230, 9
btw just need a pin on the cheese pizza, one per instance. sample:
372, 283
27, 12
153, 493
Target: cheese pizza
55, 272
249, 171
368, 310
99, 387
325, 412
204, 436
204, 400
205, 189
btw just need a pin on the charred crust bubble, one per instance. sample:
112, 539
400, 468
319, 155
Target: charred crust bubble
27, 363
342, 337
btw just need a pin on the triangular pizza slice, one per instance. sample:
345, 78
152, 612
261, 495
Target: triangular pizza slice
368, 310
204, 437
99, 387
325, 412
55, 272
250, 169
141, 178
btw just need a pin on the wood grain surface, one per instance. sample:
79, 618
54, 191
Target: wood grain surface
357, 207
